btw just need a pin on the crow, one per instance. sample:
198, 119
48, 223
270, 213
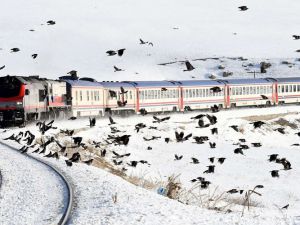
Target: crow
158, 120
103, 153
215, 89
215, 108
2, 67
298, 133
139, 126
296, 37
243, 8
68, 162
205, 184
256, 144
178, 157
274, 173
212, 119
50, 22
73, 73
286, 164
212, 159
49, 155
211, 169
92, 122
167, 140
242, 140
152, 128
14, 50
111, 52
233, 191
111, 121
195, 161
273, 157
235, 127
112, 93
264, 97
214, 131
77, 140
200, 116
34, 56
62, 148
117, 69
280, 130
212, 144
244, 146
259, 186
189, 66
239, 151
121, 103
25, 149
257, 124
123, 91
144, 162
286, 206
72, 118
88, 162
143, 42
149, 148
132, 163
75, 157
121, 51
201, 124
143, 112
194, 180
164, 89
221, 160
180, 136
152, 138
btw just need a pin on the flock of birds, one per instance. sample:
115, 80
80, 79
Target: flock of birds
120, 52
41, 145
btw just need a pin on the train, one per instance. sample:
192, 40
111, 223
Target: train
24, 99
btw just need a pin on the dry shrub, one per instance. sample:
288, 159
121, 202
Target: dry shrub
285, 123
173, 187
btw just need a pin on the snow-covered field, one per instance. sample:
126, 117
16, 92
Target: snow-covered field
179, 30
95, 188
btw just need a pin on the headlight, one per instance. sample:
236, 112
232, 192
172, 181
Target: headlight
19, 103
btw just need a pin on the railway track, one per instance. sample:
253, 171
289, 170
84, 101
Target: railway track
70, 193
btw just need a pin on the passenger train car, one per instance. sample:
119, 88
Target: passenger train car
31, 98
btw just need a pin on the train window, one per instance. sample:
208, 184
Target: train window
92, 95
87, 95
80, 94
294, 88
290, 88
251, 90
76, 95
282, 89
141, 94
286, 88
298, 87
200, 92
41, 95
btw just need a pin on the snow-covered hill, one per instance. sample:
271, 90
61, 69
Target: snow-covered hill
179, 30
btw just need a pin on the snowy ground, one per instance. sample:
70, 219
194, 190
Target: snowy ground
95, 188
30, 192
197, 29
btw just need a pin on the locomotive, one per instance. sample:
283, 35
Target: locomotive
24, 99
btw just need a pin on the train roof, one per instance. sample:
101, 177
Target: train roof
116, 84
249, 81
288, 79
83, 83
201, 82
154, 83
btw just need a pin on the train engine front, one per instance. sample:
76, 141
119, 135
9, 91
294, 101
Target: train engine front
12, 92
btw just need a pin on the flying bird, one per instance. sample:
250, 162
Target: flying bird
117, 69
14, 50
189, 66
2, 67
34, 56
243, 8
51, 22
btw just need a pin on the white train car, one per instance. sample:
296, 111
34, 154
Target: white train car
158, 96
117, 102
288, 90
250, 92
86, 97
200, 94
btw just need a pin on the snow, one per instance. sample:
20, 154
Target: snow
86, 29
95, 188
25, 192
